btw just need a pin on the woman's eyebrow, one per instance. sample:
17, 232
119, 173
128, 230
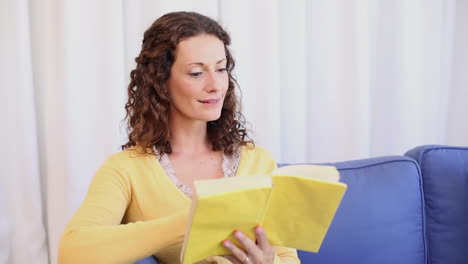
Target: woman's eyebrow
202, 64
220, 61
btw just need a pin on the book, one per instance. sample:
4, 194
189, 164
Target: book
295, 205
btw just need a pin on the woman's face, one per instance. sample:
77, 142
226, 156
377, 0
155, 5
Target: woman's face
198, 80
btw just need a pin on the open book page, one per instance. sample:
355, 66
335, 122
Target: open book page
319, 172
207, 188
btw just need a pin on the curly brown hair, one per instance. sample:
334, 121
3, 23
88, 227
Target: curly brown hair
149, 101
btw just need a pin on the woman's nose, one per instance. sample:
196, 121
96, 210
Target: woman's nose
214, 82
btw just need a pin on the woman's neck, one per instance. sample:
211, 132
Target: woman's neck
189, 137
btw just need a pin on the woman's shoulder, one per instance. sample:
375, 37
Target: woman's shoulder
130, 156
255, 159
252, 151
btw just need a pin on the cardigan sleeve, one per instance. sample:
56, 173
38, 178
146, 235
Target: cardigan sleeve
95, 233
284, 255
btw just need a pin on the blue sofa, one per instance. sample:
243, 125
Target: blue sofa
410, 209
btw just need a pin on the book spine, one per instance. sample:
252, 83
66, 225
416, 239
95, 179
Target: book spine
262, 212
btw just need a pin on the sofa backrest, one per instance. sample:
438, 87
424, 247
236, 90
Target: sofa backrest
381, 217
445, 179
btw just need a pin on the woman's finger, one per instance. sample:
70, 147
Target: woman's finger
253, 251
231, 258
262, 239
240, 255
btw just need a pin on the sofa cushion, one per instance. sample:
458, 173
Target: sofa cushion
148, 260
445, 180
380, 219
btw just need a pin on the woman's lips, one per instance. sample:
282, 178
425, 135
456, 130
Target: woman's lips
209, 101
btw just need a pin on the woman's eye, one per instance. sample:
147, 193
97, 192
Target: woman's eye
222, 70
195, 74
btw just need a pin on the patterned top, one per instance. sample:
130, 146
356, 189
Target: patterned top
230, 164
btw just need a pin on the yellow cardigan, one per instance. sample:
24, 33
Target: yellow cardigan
133, 210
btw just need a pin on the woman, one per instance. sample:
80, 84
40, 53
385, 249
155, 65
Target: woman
184, 125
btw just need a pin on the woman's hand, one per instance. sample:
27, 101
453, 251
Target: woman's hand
255, 253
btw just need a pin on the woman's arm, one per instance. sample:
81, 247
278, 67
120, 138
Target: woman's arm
95, 235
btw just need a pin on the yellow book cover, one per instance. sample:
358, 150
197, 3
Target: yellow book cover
295, 205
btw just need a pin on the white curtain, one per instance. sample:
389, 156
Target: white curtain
22, 229
322, 80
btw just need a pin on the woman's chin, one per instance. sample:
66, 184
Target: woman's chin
212, 117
